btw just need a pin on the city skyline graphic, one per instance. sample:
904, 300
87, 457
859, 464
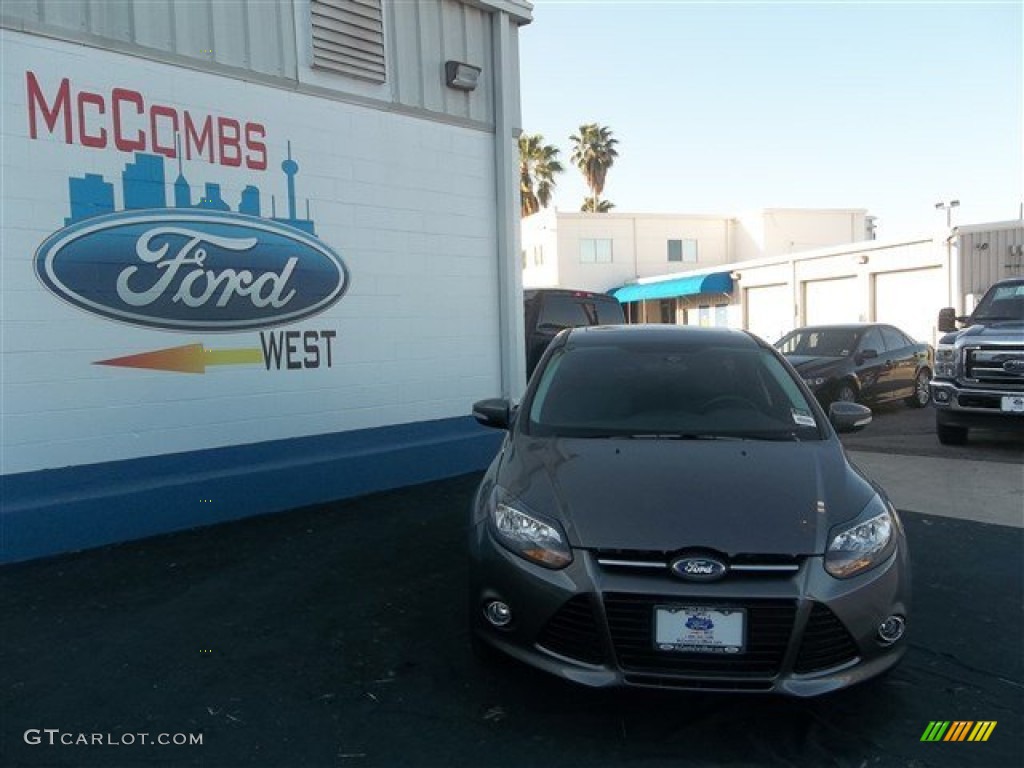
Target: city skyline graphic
144, 186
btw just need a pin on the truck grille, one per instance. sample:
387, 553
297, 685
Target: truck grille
996, 366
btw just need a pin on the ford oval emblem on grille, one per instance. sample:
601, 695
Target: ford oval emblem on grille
699, 568
1014, 366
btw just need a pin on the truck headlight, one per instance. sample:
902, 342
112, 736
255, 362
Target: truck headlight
860, 546
945, 362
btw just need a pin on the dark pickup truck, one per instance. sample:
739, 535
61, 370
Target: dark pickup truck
979, 369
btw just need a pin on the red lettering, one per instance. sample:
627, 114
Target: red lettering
196, 141
257, 159
61, 105
229, 141
98, 140
167, 150
117, 97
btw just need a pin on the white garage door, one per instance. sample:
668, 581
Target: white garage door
769, 311
911, 300
831, 301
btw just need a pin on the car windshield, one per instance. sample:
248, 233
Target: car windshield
819, 342
694, 391
1004, 302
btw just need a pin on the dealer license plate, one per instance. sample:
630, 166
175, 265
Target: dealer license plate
1013, 403
699, 629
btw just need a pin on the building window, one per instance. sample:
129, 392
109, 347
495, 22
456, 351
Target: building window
704, 316
722, 315
595, 251
682, 250
348, 38
538, 256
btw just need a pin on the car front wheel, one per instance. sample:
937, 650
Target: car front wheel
922, 395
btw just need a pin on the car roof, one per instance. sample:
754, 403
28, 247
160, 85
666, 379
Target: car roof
659, 333
530, 293
842, 327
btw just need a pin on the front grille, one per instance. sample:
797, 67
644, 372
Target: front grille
826, 643
656, 563
658, 681
631, 621
986, 365
573, 632
970, 400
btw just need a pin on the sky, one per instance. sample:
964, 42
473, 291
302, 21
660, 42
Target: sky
726, 107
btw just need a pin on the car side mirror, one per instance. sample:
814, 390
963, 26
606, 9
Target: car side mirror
867, 354
849, 417
493, 412
947, 320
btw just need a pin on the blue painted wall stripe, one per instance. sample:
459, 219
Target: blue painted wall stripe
62, 510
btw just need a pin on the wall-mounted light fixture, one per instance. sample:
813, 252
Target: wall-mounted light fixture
981, 246
861, 258
735, 276
460, 75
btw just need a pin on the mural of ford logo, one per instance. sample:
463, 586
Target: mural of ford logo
191, 270
1014, 366
699, 568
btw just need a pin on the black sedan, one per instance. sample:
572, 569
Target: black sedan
861, 362
672, 509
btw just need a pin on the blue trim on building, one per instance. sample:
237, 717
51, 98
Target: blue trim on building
61, 510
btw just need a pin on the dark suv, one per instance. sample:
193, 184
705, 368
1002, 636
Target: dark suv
979, 370
551, 310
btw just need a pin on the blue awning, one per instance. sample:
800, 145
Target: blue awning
716, 282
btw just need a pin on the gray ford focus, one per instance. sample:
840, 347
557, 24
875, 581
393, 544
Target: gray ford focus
671, 508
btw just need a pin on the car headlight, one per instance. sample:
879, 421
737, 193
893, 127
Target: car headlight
945, 362
861, 546
815, 382
528, 535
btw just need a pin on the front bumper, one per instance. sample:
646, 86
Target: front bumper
980, 407
807, 633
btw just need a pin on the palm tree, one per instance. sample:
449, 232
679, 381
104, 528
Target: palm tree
603, 206
594, 153
538, 164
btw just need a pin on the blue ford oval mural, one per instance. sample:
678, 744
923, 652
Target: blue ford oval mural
194, 270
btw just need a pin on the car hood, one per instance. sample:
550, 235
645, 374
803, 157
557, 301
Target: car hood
754, 497
813, 366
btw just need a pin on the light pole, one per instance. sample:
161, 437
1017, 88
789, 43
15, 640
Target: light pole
948, 208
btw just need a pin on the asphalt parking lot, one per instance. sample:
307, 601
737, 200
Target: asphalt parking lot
335, 636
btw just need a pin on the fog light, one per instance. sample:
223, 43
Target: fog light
498, 613
892, 629
941, 396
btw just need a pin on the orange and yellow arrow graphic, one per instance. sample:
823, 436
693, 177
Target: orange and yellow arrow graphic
191, 358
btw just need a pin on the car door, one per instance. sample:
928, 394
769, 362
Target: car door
900, 352
872, 366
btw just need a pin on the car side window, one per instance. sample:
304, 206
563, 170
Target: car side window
871, 339
894, 339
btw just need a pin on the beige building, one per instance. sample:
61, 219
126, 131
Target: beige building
763, 273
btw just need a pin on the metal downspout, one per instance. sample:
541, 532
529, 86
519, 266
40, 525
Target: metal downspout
512, 356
